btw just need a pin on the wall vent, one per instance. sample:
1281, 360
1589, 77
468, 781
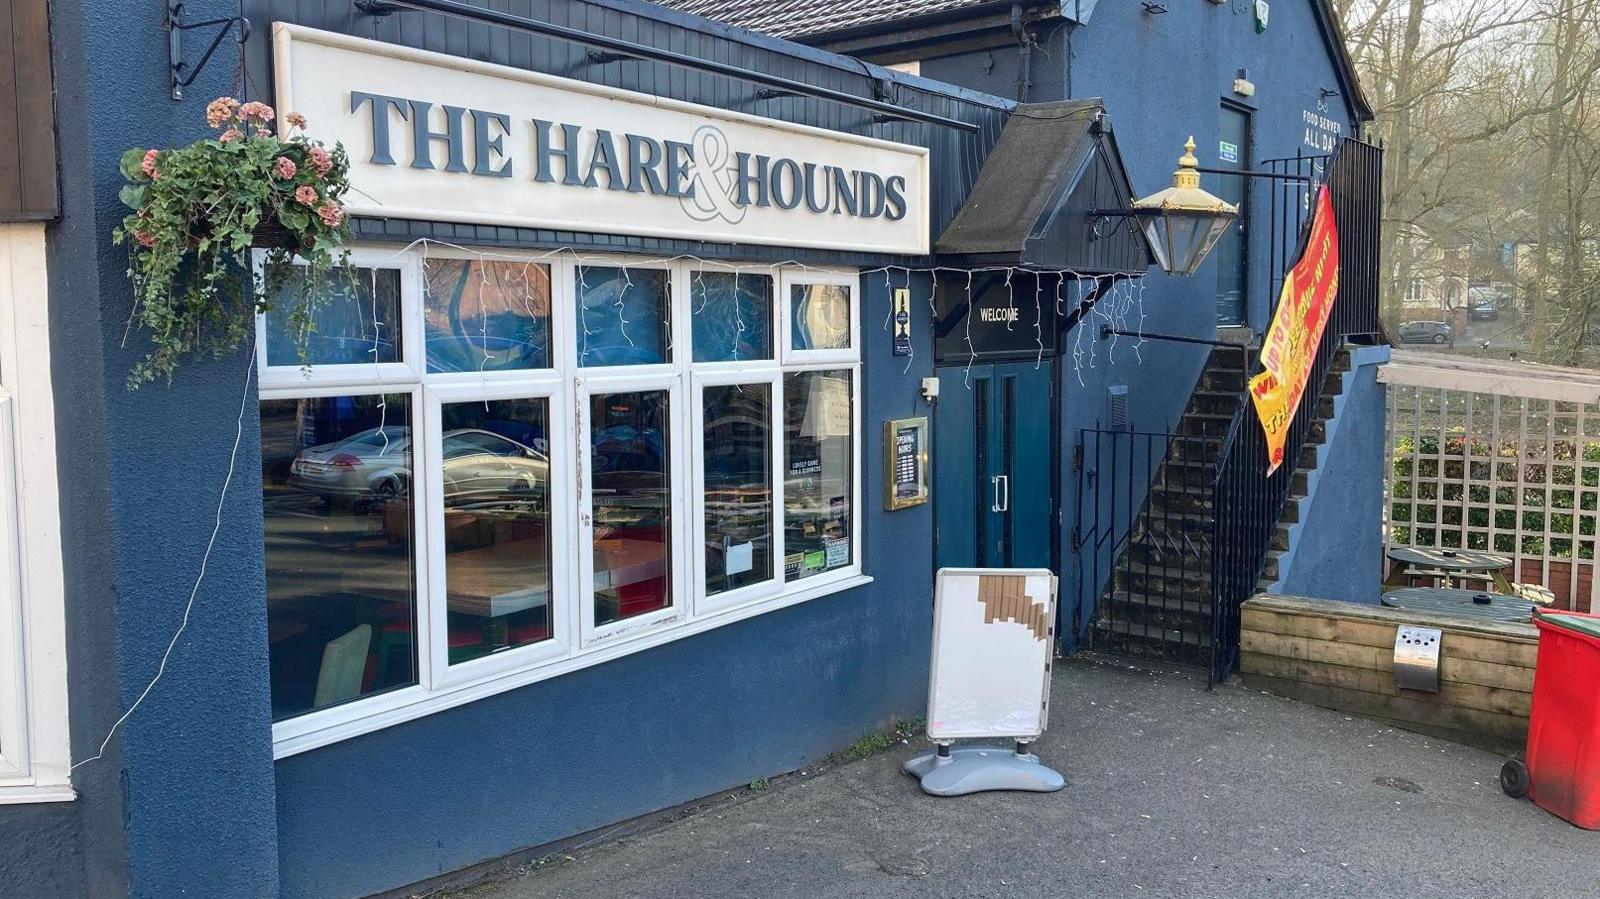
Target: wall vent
1118, 408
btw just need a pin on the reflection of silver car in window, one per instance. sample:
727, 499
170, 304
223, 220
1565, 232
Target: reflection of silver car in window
481, 466
375, 464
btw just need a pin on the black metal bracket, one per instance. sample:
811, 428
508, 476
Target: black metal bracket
1249, 173
181, 73
1108, 331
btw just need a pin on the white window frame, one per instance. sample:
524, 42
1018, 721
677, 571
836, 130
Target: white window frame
790, 356
563, 632
576, 642
408, 369
855, 568
771, 376
35, 751
678, 583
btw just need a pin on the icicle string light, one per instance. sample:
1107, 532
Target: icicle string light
1112, 304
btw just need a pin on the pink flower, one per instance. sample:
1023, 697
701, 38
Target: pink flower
263, 132
306, 195
295, 119
321, 160
331, 214
145, 239
220, 110
149, 164
285, 168
257, 110
231, 134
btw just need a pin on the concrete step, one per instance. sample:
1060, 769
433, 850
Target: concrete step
1175, 644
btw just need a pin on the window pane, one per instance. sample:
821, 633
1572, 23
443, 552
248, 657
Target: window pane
732, 316
496, 525
623, 316
632, 504
336, 496
738, 473
486, 316
353, 320
817, 472
819, 316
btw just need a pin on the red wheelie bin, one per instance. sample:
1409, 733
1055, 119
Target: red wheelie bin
1562, 772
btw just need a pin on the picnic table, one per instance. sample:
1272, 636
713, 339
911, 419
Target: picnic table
1461, 603
1449, 565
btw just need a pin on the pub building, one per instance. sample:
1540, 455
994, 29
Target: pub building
675, 360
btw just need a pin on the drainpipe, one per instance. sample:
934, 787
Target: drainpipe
1024, 54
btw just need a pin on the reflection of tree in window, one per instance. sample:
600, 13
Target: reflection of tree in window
356, 320
486, 316
732, 315
622, 316
817, 471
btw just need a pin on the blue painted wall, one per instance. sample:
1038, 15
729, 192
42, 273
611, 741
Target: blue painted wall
182, 801
1338, 543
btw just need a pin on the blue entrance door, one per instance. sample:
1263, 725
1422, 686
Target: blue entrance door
993, 464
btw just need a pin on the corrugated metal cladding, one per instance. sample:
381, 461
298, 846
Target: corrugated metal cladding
956, 155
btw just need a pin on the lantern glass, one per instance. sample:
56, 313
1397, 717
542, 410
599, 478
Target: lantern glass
1182, 240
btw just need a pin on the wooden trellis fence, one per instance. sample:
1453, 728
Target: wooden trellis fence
1497, 456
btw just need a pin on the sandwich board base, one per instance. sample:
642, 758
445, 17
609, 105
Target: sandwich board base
977, 769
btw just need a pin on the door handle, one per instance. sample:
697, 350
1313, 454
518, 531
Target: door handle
1002, 493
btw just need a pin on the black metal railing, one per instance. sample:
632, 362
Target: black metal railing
1247, 502
1144, 567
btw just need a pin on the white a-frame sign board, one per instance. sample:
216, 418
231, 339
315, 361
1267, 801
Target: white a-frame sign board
993, 639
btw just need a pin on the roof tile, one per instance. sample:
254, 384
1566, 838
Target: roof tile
798, 18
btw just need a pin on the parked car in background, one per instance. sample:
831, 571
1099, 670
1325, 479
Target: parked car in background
1483, 303
1426, 332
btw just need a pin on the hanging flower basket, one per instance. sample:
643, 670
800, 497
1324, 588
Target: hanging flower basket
200, 212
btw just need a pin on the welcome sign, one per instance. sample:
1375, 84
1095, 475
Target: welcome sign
438, 137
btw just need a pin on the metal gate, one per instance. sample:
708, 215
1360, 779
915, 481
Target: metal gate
1143, 541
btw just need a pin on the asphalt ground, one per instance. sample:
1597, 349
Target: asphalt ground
1171, 791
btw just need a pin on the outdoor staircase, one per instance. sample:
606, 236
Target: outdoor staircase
1158, 600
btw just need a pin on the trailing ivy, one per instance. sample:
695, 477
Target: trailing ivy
199, 210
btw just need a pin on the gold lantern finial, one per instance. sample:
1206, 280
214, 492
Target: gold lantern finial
1187, 177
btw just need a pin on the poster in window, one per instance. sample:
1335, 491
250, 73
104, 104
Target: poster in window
905, 463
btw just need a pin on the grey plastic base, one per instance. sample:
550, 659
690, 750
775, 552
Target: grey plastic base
976, 769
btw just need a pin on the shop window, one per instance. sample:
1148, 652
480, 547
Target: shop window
486, 316
732, 314
494, 458
623, 316
738, 458
336, 485
631, 460
818, 425
533, 479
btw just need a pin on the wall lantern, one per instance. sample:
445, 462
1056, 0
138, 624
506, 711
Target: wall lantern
1183, 222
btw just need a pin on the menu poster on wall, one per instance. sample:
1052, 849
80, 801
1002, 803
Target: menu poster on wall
905, 454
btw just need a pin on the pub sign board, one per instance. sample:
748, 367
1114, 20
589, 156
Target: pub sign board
442, 138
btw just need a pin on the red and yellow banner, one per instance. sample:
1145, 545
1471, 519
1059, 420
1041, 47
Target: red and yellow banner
1291, 343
